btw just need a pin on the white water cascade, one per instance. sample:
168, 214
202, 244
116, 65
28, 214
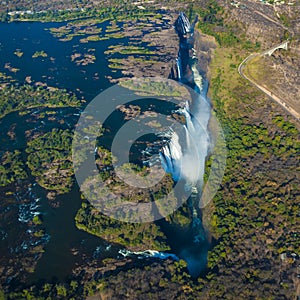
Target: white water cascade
184, 153
179, 71
149, 253
184, 156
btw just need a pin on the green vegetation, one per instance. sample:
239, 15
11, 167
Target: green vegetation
63, 33
15, 98
99, 29
40, 54
256, 70
113, 27
285, 19
54, 16
83, 59
5, 79
165, 280
36, 220
10, 68
259, 189
96, 38
227, 33
128, 50
253, 218
86, 27
135, 236
256, 208
19, 53
122, 63
90, 29
91, 38
49, 159
114, 188
121, 11
147, 87
181, 217
11, 168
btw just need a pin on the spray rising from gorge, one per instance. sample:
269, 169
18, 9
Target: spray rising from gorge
184, 156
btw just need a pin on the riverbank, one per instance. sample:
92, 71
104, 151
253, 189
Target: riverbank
43, 138
259, 189
253, 219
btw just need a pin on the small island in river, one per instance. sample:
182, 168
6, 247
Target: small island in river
54, 243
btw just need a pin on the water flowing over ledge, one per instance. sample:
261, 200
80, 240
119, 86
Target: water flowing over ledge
149, 253
184, 152
184, 156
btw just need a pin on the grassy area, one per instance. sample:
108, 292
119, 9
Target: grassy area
128, 50
259, 189
260, 70
49, 159
16, 98
256, 69
224, 75
105, 12
154, 88
41, 53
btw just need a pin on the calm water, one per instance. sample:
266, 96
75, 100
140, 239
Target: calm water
59, 71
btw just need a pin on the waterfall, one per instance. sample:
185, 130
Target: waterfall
149, 253
197, 79
184, 156
194, 145
182, 24
183, 151
178, 62
171, 155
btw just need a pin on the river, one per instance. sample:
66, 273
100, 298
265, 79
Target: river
58, 70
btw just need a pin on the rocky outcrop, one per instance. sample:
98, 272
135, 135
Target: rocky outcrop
182, 25
266, 24
204, 46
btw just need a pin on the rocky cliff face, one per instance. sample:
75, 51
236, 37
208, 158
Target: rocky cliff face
186, 42
285, 75
182, 25
204, 46
192, 42
264, 23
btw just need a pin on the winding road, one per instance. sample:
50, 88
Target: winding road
275, 98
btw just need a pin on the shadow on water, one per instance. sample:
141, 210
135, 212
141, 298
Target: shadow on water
182, 242
191, 242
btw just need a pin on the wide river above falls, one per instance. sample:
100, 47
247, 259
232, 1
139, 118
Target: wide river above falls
58, 70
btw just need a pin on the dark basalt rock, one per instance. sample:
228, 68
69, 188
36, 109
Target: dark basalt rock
182, 25
185, 33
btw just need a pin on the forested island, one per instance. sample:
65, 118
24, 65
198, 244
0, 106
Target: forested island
77, 50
